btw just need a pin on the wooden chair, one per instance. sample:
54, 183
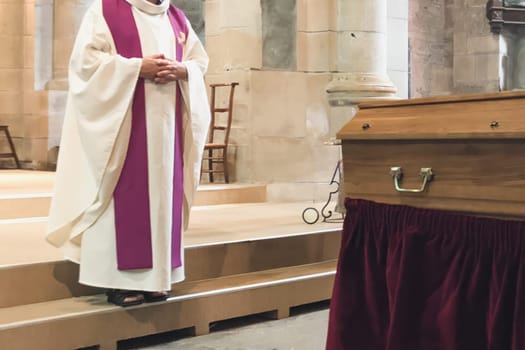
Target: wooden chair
11, 154
216, 149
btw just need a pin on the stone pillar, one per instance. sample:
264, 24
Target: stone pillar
360, 63
360, 49
12, 60
67, 17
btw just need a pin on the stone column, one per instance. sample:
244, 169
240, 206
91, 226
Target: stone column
67, 17
360, 63
360, 49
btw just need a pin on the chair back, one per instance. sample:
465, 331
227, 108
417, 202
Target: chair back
221, 126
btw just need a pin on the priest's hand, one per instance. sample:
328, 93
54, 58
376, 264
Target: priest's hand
152, 65
171, 72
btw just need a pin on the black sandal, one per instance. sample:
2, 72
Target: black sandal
124, 297
152, 297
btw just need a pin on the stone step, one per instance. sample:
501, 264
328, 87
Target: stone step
215, 194
54, 280
27, 194
73, 323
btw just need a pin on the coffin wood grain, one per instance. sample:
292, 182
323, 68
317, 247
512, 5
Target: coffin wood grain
451, 118
477, 168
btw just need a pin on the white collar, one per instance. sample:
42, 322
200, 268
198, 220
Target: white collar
149, 7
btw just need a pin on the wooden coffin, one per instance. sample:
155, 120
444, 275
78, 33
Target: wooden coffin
473, 144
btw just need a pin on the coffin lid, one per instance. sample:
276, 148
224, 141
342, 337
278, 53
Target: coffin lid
479, 116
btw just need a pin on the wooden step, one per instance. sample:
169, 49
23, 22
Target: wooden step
58, 279
89, 321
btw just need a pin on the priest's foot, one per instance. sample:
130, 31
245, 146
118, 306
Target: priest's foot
124, 297
151, 297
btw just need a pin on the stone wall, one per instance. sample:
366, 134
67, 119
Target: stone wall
194, 10
452, 50
280, 111
18, 109
12, 70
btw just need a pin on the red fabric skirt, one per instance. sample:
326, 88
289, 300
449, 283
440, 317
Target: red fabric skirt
422, 279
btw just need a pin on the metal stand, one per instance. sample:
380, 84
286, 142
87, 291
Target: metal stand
326, 214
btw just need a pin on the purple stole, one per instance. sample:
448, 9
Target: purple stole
131, 196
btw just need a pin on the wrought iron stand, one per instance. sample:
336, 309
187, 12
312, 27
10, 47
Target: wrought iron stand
326, 214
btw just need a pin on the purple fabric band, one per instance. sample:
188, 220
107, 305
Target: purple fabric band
131, 196
178, 22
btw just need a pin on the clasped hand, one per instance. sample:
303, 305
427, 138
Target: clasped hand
162, 70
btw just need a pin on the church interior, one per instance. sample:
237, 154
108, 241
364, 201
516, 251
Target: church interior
409, 109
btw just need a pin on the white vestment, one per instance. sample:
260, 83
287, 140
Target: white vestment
94, 142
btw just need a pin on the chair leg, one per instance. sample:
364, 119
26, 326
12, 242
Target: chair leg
210, 165
12, 146
225, 165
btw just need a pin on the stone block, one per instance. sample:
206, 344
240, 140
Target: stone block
243, 77
298, 107
279, 30
56, 103
12, 50
28, 79
212, 17
487, 67
29, 19
243, 170
242, 50
460, 43
441, 81
239, 136
11, 14
483, 44
36, 103
15, 124
314, 15
11, 79
354, 53
464, 68
36, 149
269, 115
61, 54
314, 51
363, 16
233, 50
11, 102
36, 127
244, 14
292, 159
29, 51
215, 50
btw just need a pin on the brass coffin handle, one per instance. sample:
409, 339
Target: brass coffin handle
397, 174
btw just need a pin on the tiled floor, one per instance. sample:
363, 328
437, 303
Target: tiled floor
305, 329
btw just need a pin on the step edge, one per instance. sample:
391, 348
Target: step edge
257, 239
175, 299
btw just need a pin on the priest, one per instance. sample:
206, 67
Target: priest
135, 124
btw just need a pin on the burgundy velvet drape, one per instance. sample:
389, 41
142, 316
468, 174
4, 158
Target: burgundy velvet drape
421, 279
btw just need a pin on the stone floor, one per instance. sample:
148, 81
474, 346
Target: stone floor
305, 329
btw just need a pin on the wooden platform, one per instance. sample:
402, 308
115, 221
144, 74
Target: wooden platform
241, 258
